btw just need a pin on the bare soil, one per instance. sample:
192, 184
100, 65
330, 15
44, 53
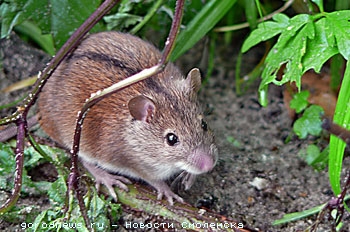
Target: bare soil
259, 178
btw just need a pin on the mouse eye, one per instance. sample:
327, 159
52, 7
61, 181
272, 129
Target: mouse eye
171, 139
204, 125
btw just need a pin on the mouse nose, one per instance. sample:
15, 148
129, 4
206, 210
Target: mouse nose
203, 161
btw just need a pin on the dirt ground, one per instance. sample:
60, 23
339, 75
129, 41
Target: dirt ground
258, 178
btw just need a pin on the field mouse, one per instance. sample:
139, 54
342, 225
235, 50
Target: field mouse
151, 130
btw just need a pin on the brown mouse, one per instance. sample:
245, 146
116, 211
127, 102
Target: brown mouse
151, 130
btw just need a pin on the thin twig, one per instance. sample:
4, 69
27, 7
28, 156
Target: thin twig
21, 133
246, 24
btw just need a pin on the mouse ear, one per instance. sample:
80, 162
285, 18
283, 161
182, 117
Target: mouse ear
142, 108
194, 80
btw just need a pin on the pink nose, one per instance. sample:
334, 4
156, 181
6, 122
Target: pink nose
201, 162
205, 163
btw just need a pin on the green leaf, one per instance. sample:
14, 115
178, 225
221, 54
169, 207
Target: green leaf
34, 157
336, 145
98, 211
7, 165
39, 220
294, 27
306, 42
289, 49
10, 15
263, 90
32, 31
17, 11
121, 20
321, 161
57, 192
234, 142
49, 16
340, 24
309, 123
298, 215
251, 12
314, 157
74, 12
266, 31
299, 101
312, 152
321, 48
201, 24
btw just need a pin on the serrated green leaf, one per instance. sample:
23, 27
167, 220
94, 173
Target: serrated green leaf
127, 5
339, 21
309, 123
74, 12
289, 50
281, 18
290, 55
294, 66
98, 211
10, 15
50, 16
33, 156
321, 48
293, 27
115, 212
266, 31
121, 20
39, 221
299, 101
17, 11
97, 206
57, 192
306, 42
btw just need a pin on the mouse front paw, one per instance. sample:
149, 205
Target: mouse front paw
107, 179
164, 190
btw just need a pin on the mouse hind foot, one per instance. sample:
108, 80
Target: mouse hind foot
164, 190
107, 179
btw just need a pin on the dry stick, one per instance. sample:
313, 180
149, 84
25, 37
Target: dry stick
21, 133
20, 116
336, 130
96, 97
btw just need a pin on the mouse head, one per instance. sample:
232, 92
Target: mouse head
169, 128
